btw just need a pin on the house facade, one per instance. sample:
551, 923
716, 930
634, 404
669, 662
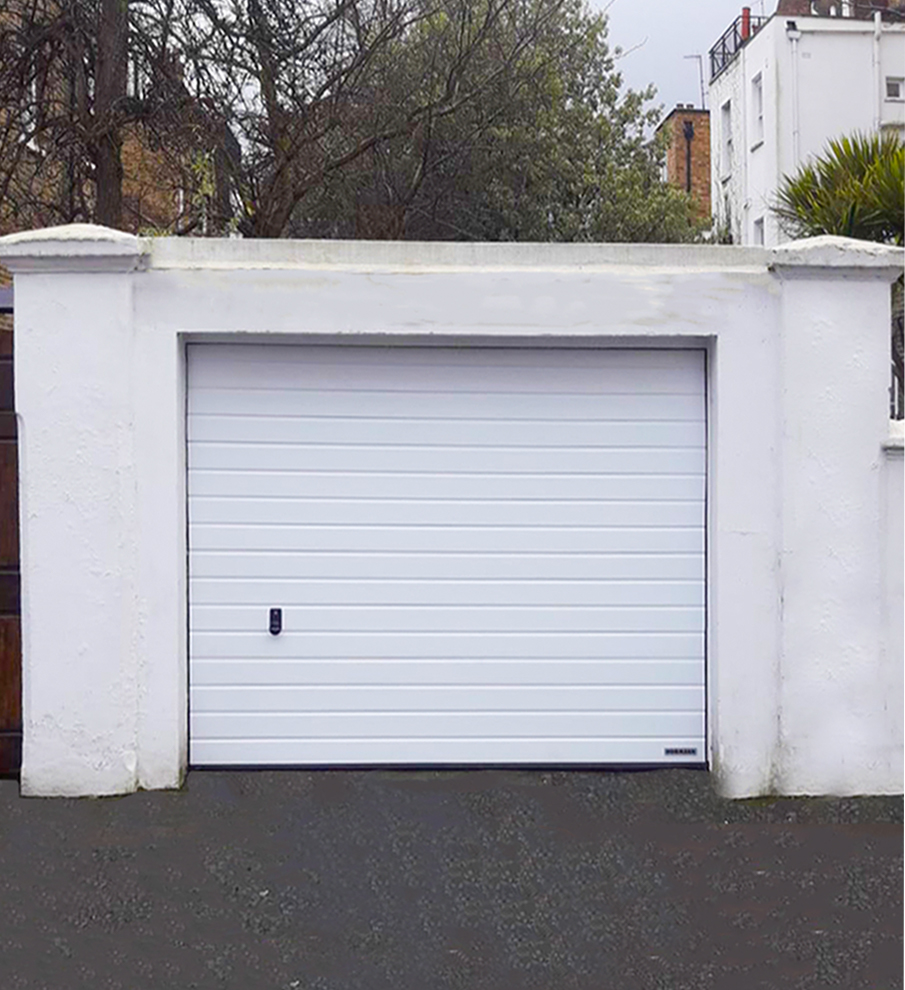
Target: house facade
782, 87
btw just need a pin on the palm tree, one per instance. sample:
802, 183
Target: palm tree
856, 189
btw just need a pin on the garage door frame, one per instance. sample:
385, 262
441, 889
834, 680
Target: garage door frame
706, 345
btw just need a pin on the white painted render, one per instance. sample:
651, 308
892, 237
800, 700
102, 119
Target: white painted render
825, 79
804, 591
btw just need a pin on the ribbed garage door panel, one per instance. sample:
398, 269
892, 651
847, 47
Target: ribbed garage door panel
482, 555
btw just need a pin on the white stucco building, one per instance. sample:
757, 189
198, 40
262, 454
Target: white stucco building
782, 87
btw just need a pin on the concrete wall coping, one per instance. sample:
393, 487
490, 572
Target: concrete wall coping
197, 253
89, 247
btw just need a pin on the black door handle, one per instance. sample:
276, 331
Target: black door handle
276, 621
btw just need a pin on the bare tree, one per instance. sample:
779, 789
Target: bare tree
275, 118
311, 88
103, 120
80, 80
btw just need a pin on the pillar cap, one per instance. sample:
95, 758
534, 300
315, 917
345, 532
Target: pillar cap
812, 254
74, 247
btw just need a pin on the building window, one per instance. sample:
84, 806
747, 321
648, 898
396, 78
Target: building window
895, 88
759, 231
757, 110
726, 132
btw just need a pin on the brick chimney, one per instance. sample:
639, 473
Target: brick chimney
687, 132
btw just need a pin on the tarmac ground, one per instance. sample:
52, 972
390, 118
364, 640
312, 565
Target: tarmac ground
427, 880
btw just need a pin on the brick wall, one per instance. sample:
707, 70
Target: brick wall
676, 174
863, 9
794, 8
152, 179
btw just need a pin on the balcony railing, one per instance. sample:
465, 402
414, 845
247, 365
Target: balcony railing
739, 32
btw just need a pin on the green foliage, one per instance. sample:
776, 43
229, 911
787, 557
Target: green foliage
545, 144
855, 189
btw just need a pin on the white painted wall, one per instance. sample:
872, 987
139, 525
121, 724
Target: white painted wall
832, 546
892, 537
801, 657
834, 71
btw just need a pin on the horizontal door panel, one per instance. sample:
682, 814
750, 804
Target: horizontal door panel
431, 725
486, 670
318, 357
414, 752
451, 512
446, 699
436, 619
438, 566
404, 539
456, 645
589, 377
450, 460
492, 487
324, 405
439, 433
237, 590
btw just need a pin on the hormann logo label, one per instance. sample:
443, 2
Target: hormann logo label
680, 751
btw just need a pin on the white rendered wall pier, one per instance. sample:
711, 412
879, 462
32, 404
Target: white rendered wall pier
805, 482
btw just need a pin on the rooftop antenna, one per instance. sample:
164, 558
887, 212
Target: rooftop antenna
700, 59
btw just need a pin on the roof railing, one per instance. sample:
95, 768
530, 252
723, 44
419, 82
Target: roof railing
736, 36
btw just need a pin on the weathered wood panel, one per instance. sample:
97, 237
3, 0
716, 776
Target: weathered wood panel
10, 638
10, 676
9, 505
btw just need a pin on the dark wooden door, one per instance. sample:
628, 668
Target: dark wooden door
10, 639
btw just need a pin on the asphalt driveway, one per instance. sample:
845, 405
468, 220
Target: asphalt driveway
486, 880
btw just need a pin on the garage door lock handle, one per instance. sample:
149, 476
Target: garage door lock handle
276, 621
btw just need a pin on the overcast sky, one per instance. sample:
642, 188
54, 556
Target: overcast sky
667, 30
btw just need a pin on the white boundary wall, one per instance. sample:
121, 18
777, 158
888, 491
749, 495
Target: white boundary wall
805, 488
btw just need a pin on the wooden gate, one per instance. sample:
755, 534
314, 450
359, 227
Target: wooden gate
10, 642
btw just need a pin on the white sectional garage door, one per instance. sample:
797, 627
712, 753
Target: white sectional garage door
480, 555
